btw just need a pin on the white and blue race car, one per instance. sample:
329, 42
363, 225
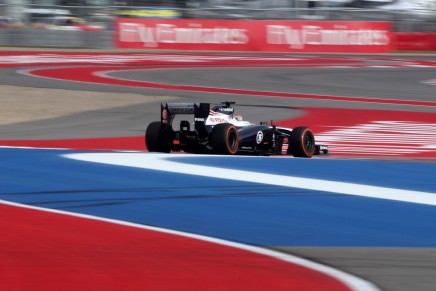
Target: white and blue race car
218, 130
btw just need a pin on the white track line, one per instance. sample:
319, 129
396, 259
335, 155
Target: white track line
161, 162
353, 282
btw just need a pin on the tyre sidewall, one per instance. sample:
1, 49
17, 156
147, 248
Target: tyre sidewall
159, 137
297, 146
224, 139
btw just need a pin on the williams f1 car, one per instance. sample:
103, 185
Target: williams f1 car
218, 130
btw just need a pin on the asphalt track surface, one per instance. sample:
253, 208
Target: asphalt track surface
390, 268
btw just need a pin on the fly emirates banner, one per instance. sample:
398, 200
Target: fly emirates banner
255, 35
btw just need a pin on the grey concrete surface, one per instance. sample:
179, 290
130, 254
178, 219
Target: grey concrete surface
390, 83
394, 269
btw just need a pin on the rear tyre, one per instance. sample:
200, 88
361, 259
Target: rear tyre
301, 142
159, 137
224, 139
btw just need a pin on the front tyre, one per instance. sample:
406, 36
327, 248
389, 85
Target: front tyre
301, 142
224, 139
159, 137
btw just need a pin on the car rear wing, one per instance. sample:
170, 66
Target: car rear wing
199, 110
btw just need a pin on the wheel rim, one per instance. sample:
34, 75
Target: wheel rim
309, 142
232, 140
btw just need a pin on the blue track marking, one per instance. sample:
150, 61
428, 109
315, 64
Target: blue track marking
239, 211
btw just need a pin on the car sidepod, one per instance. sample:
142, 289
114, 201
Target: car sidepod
256, 138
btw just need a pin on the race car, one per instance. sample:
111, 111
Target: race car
218, 130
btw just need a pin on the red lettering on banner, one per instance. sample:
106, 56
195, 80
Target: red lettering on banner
262, 35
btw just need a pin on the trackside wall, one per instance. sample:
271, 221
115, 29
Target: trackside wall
56, 38
415, 41
230, 35
255, 35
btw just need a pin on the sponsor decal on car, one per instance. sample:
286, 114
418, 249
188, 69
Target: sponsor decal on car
259, 137
217, 120
229, 109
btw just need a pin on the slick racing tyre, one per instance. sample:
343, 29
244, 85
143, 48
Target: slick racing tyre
301, 142
159, 137
224, 139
